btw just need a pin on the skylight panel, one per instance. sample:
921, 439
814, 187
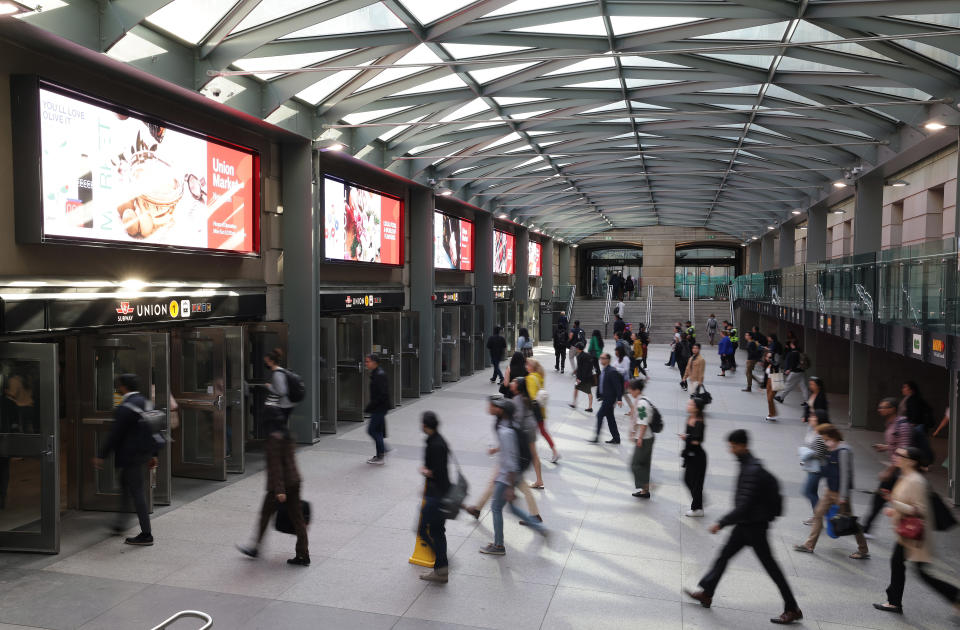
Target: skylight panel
605, 83
510, 137
639, 83
514, 100
623, 24
272, 10
527, 115
757, 61
486, 75
448, 82
788, 63
374, 17
358, 118
740, 89
281, 114
285, 62
520, 6
586, 26
467, 51
319, 91
910, 93
648, 62
594, 63
190, 20
423, 148
947, 58
943, 19
475, 106
396, 131
616, 105
775, 91
765, 32
420, 54
427, 11
131, 47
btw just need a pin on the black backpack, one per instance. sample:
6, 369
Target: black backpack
774, 499
150, 428
523, 446
296, 390
656, 420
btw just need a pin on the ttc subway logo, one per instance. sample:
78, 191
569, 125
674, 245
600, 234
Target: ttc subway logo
124, 308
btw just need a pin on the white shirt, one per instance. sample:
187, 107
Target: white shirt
642, 414
622, 366
622, 310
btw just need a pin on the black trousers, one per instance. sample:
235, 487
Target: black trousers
560, 353
879, 501
433, 530
898, 578
132, 490
694, 474
606, 411
294, 511
749, 535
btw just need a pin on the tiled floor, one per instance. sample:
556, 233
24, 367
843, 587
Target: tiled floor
613, 561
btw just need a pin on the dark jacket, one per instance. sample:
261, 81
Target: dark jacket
379, 392
125, 439
819, 402
578, 335
839, 471
435, 460
791, 362
753, 351
753, 498
584, 371
619, 325
282, 473
560, 338
611, 385
497, 345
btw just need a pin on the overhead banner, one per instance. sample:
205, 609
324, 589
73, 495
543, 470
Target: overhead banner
111, 176
65, 314
361, 225
503, 254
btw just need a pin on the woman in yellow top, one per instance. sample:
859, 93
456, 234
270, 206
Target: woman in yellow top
636, 365
536, 379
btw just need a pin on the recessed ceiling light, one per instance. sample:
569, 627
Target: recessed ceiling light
336, 146
839, 184
502, 215
934, 126
771, 227
839, 212
795, 212
446, 192
900, 183
754, 238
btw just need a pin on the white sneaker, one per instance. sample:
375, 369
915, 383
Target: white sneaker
771, 419
868, 536
694, 513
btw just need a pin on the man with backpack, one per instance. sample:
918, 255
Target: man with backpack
513, 453
757, 502
432, 521
646, 423
378, 407
132, 442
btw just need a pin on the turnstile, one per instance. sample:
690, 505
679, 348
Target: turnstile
410, 354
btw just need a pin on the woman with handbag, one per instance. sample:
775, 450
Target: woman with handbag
774, 383
536, 380
909, 509
693, 374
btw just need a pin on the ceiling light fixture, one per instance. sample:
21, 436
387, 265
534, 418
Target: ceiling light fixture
934, 126
754, 238
771, 227
900, 183
795, 212
839, 184
839, 212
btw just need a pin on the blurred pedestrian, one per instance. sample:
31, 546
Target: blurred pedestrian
378, 407
432, 522
694, 457
496, 346
584, 377
642, 435
610, 392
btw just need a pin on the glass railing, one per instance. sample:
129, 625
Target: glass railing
914, 286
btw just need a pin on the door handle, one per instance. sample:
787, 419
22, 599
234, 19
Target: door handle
218, 403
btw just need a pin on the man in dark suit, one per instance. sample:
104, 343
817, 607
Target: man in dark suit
378, 406
609, 391
133, 449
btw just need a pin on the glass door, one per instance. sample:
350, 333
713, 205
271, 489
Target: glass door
29, 448
234, 400
386, 343
327, 372
261, 339
102, 359
353, 343
410, 354
161, 480
510, 332
450, 333
479, 340
437, 348
466, 340
200, 387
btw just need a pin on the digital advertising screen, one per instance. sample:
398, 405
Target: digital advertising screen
452, 242
110, 176
503, 256
534, 253
361, 225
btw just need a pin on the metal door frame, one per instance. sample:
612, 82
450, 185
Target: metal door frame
45, 444
410, 353
466, 340
453, 341
94, 423
327, 377
162, 475
437, 350
366, 333
393, 358
479, 335
217, 471
235, 430
250, 384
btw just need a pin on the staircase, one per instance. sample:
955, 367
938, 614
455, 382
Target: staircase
667, 310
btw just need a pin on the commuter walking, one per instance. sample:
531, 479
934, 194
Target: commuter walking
673, 347
795, 365
378, 407
621, 362
637, 348
725, 349
134, 451
537, 395
644, 336
436, 472
694, 457
813, 459
839, 475
712, 325
757, 503
735, 340
283, 492
516, 369
912, 406
510, 465
620, 309
775, 348
913, 523
560, 342
610, 392
563, 321
525, 342
897, 434
754, 354
576, 336
497, 347
618, 325
696, 368
641, 433
595, 349
769, 369
817, 398
629, 287
691, 331
584, 375
683, 354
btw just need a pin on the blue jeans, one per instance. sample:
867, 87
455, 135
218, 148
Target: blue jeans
811, 489
499, 488
376, 428
496, 369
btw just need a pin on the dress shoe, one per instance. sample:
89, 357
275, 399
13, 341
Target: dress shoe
594, 440
140, 540
300, 561
778, 399
704, 599
472, 511
788, 616
250, 551
887, 607
438, 576
613, 441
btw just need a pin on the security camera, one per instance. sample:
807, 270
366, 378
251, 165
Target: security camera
215, 92
856, 171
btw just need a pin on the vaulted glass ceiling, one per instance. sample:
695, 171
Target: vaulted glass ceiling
574, 115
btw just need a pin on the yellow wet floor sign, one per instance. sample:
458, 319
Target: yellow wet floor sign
423, 555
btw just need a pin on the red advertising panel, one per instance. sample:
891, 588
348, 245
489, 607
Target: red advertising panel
452, 242
112, 176
503, 256
466, 245
361, 225
534, 253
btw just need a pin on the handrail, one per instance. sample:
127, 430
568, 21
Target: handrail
570, 301
821, 303
187, 614
691, 302
606, 309
865, 298
914, 314
648, 318
774, 296
732, 298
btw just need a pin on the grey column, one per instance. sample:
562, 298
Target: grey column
564, 275
767, 262
546, 289
521, 282
788, 245
816, 234
753, 256
483, 269
868, 215
301, 232
421, 278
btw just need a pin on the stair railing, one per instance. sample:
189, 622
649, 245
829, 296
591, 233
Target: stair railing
691, 303
732, 292
914, 314
648, 317
866, 300
821, 303
606, 309
570, 302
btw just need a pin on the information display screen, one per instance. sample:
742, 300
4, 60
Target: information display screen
361, 225
503, 256
112, 176
452, 242
534, 253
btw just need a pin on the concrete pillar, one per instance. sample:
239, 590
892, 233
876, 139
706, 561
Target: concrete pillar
546, 289
564, 264
787, 245
521, 281
767, 261
868, 214
301, 230
753, 257
483, 269
816, 234
422, 277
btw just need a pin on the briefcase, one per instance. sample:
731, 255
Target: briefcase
282, 522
